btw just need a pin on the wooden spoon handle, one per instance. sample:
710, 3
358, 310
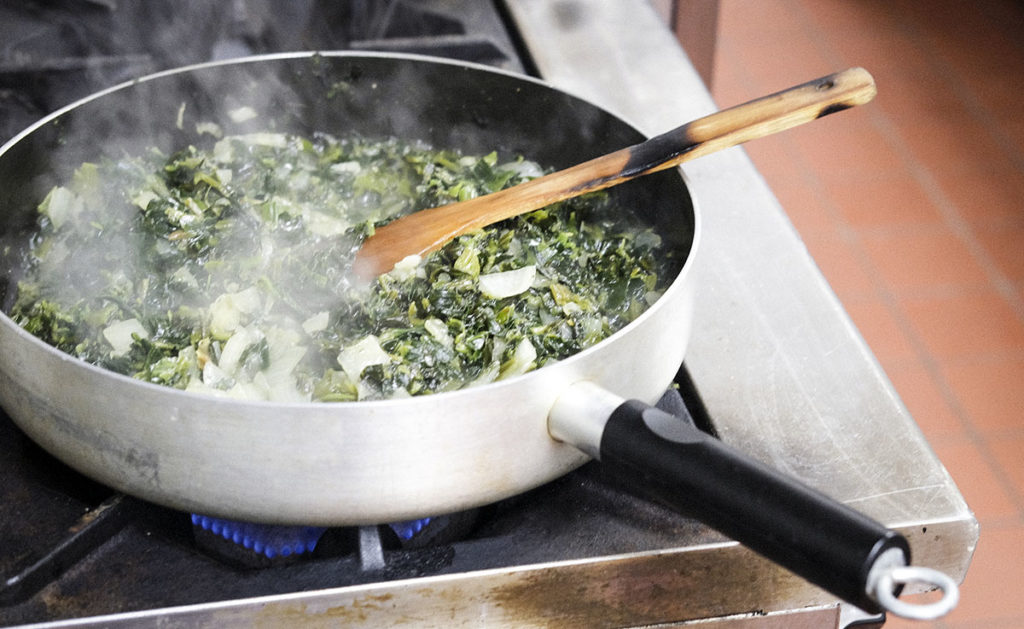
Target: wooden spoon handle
427, 230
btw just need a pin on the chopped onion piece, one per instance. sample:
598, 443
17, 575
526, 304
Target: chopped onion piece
278, 378
406, 268
521, 361
243, 338
357, 357
242, 114
508, 283
61, 205
226, 311
523, 168
346, 167
119, 335
286, 352
317, 322
215, 377
211, 128
439, 331
325, 225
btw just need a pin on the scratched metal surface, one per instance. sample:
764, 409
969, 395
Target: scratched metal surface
785, 375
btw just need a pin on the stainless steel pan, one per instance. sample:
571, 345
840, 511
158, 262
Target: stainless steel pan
381, 461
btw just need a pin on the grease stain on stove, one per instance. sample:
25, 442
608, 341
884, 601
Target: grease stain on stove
636, 589
367, 610
361, 609
60, 603
647, 589
560, 600
90, 516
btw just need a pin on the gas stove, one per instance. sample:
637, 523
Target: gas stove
775, 369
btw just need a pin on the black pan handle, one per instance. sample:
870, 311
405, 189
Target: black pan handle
822, 540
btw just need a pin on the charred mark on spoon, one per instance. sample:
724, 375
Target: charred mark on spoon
644, 157
656, 151
831, 109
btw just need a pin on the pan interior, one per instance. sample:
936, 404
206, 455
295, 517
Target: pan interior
448, 105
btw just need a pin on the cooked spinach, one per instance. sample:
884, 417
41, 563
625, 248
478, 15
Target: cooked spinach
224, 270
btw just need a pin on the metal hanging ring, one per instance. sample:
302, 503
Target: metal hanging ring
887, 581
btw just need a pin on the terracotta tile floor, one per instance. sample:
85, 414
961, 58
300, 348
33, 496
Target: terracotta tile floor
913, 207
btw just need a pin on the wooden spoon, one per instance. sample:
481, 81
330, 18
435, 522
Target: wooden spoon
428, 230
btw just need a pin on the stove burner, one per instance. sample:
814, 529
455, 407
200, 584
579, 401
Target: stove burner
407, 530
433, 531
254, 544
251, 545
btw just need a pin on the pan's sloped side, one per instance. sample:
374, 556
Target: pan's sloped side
325, 464
319, 464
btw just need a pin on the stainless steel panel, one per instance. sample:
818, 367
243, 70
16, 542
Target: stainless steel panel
785, 375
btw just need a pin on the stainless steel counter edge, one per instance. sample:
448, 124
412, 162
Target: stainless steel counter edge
635, 589
783, 371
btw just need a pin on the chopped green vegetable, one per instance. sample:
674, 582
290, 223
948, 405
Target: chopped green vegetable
225, 271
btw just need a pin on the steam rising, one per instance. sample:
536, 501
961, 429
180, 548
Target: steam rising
258, 322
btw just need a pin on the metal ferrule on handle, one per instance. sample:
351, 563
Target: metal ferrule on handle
824, 541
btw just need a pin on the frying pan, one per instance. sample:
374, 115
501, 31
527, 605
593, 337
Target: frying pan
383, 461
